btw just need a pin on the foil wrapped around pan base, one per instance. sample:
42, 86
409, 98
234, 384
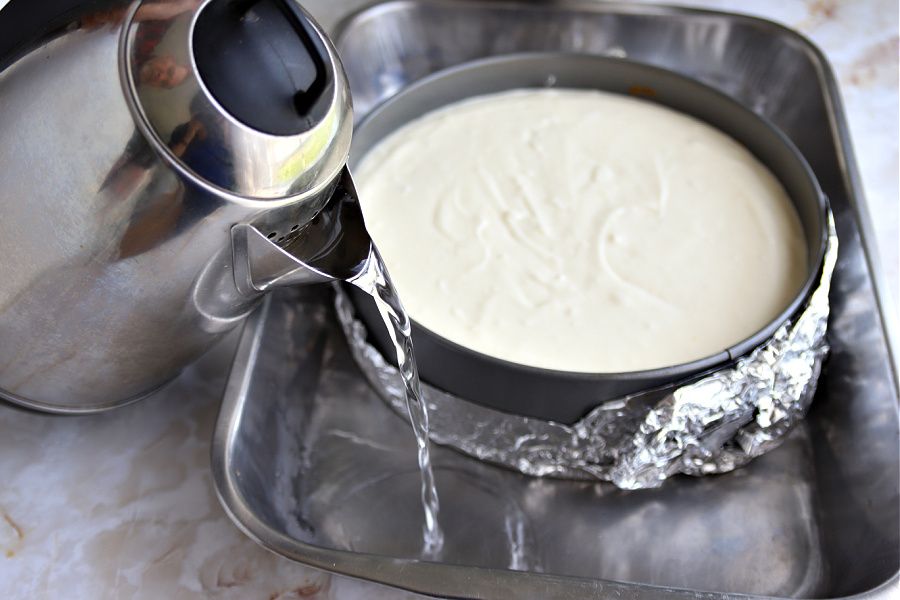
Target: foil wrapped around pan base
711, 424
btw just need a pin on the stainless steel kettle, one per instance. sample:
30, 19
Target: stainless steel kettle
162, 165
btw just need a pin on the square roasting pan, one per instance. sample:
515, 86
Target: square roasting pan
311, 463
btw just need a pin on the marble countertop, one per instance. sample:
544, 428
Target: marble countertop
122, 504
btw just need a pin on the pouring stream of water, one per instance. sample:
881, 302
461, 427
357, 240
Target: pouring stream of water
375, 281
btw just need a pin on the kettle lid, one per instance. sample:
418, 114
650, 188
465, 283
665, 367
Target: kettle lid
248, 96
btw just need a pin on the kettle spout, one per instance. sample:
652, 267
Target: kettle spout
333, 246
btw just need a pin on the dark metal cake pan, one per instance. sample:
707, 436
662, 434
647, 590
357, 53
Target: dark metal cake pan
560, 395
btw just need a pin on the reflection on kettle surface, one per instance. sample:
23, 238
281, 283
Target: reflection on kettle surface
162, 71
156, 10
162, 208
153, 223
200, 143
155, 69
150, 189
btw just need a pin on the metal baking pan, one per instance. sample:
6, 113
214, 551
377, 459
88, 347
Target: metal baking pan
311, 463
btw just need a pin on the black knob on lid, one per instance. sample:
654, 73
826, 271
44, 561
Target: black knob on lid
264, 64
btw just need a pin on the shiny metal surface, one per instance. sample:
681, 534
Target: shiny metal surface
117, 258
252, 163
309, 461
333, 246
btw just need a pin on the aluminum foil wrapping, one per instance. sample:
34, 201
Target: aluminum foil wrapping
710, 425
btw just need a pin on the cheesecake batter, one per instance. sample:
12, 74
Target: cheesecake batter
580, 230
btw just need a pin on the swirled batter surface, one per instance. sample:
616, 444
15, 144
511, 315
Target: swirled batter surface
581, 230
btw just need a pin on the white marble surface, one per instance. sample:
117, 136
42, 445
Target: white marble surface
122, 504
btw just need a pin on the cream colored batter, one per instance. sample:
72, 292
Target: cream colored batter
581, 230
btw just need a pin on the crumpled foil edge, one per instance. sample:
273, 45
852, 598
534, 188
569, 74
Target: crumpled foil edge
710, 425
